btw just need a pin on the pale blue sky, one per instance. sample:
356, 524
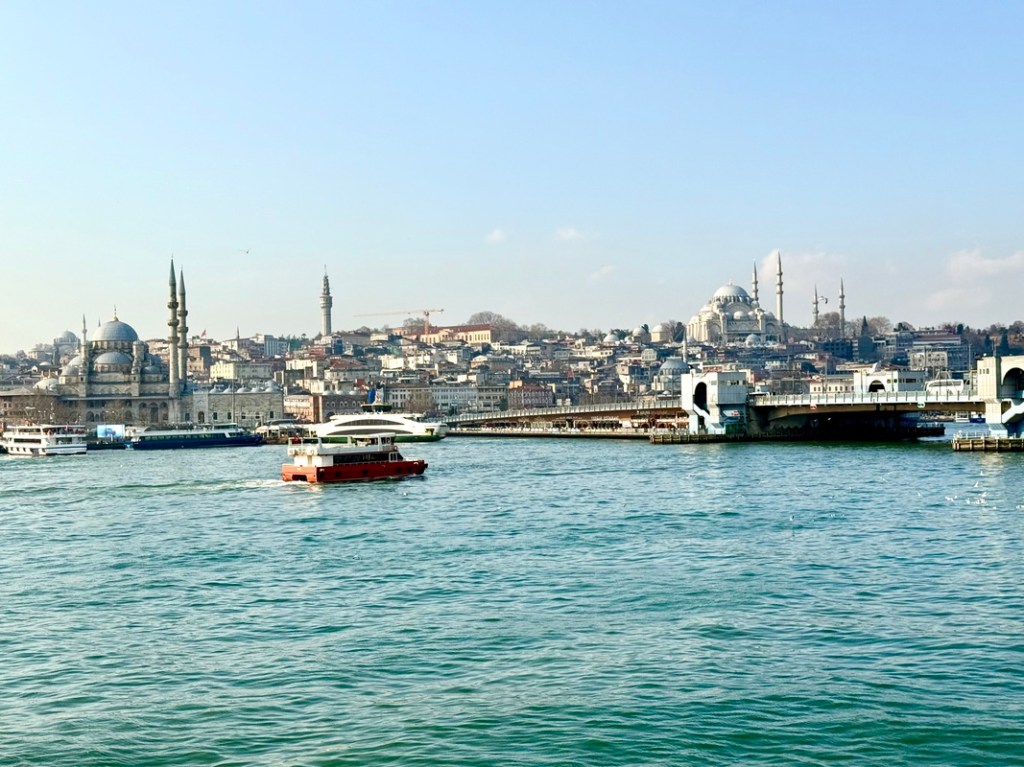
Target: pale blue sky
578, 164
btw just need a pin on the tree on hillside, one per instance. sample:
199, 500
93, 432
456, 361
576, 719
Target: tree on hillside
879, 326
828, 326
502, 328
538, 331
678, 331
1004, 343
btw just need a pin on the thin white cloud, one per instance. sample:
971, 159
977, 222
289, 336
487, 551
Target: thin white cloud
802, 272
568, 234
497, 235
957, 300
970, 279
601, 273
971, 266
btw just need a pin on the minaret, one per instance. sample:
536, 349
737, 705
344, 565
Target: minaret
754, 284
83, 388
778, 300
842, 311
173, 386
814, 311
326, 302
182, 331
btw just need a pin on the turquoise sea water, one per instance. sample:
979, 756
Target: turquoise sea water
526, 603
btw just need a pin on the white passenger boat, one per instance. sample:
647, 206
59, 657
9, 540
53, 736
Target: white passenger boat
405, 427
44, 440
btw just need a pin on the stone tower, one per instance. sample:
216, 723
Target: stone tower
326, 302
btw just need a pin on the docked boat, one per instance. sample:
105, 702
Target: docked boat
352, 458
173, 437
45, 440
405, 427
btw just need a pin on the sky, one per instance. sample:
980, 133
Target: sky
578, 164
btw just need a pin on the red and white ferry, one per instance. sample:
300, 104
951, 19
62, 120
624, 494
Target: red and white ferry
348, 459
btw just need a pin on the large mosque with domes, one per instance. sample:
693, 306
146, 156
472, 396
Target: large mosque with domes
733, 316
116, 377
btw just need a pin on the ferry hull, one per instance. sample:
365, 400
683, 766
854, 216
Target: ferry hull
44, 451
353, 472
206, 441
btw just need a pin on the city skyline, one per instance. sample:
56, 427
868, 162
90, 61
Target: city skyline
565, 164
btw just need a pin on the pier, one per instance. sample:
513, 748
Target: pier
988, 444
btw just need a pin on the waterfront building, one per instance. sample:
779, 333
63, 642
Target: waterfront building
475, 335
241, 370
523, 395
872, 380
245, 405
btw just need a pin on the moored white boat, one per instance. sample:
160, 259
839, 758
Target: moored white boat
405, 427
42, 440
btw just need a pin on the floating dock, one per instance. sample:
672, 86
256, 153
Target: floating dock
988, 444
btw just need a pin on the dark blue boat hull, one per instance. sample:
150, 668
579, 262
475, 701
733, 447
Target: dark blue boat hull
203, 441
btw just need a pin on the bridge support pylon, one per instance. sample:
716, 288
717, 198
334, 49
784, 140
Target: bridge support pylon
716, 402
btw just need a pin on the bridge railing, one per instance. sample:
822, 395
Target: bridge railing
637, 406
863, 398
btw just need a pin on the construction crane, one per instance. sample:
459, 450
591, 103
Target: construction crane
408, 312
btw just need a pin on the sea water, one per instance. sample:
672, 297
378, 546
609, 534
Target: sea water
533, 602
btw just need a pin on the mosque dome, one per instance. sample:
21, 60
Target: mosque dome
115, 330
47, 385
113, 358
674, 365
611, 338
67, 337
74, 367
730, 292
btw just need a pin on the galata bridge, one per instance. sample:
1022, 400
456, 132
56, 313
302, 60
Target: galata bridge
725, 404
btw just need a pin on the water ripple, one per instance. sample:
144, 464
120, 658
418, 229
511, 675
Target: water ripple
526, 603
